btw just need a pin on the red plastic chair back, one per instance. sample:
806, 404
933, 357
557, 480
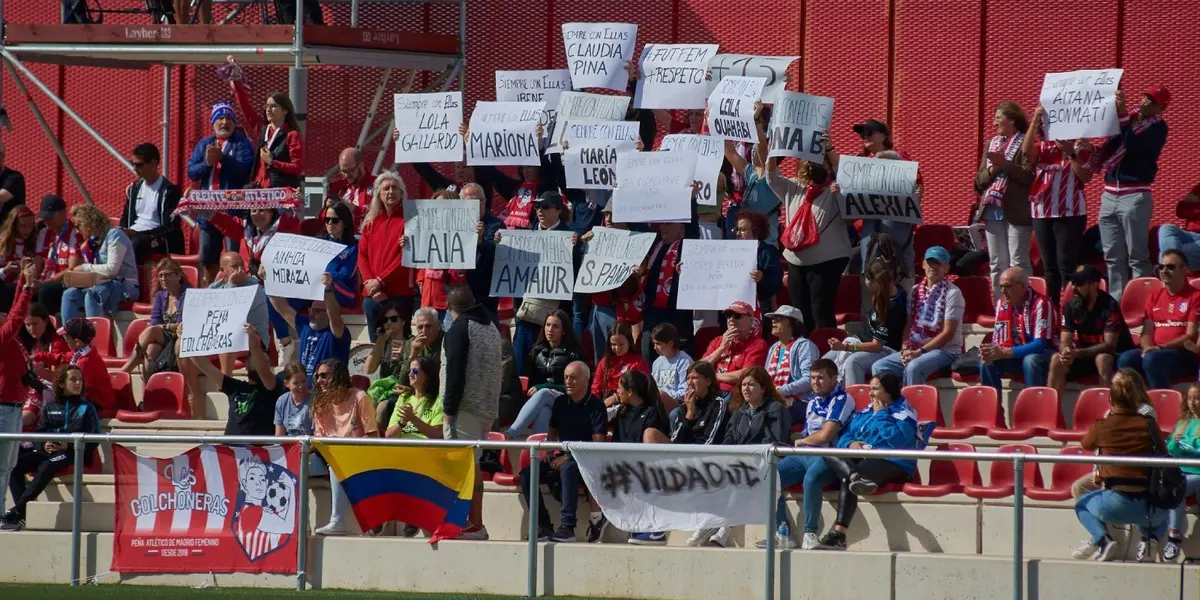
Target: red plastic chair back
821, 336
924, 398
1168, 405
1002, 471
192, 274
361, 382
103, 341
861, 393
849, 295
704, 337
1038, 284
524, 460
312, 226
165, 392
1037, 407
132, 333
1136, 296
122, 386
977, 406
977, 292
1089, 408
954, 472
1064, 475
927, 236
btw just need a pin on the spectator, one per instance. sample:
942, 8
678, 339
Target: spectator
480, 278
1168, 340
739, 348
418, 412
520, 212
759, 413
661, 289
1003, 182
157, 345
641, 419
1056, 201
252, 239
78, 334
322, 334
380, 253
233, 274
108, 254
1184, 443
1093, 333
789, 359
884, 326
12, 186
149, 217
293, 409
16, 243
512, 391
934, 336
353, 185
1123, 432
338, 410
470, 402
58, 241
827, 412
545, 367
1023, 339
425, 341
888, 423
279, 162
251, 402
618, 359
768, 274
70, 412
45, 347
671, 367
15, 366
623, 305
1130, 163
533, 311
1092, 482
434, 283
1173, 237
221, 161
576, 416
702, 419
339, 228
758, 193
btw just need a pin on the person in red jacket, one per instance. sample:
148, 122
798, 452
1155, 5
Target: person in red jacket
353, 185
15, 366
47, 349
619, 359
381, 251
1185, 239
279, 160
78, 333
740, 348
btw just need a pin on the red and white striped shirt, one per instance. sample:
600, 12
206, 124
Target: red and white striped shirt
1020, 325
1056, 191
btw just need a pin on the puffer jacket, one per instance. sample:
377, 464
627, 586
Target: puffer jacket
545, 369
768, 424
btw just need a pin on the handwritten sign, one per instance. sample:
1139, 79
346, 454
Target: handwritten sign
612, 256
653, 187
1081, 104
710, 155
590, 160
597, 53
504, 133
533, 264
715, 273
798, 122
295, 263
673, 75
731, 108
773, 70
581, 106
428, 126
214, 321
878, 188
441, 233
534, 86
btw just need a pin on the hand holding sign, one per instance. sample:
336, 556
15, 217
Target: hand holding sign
879, 188
731, 108
1082, 104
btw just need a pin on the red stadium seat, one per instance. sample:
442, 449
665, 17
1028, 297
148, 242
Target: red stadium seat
1089, 408
947, 476
821, 336
192, 273
312, 226
163, 398
524, 384
132, 333
122, 385
977, 292
1002, 476
508, 476
861, 393
1035, 413
976, 410
848, 305
704, 337
924, 398
361, 382
1038, 285
103, 342
927, 236
187, 260
1136, 297
1168, 404
1062, 477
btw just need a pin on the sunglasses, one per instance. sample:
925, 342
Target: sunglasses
392, 319
414, 372
1168, 267
323, 375
137, 164
332, 220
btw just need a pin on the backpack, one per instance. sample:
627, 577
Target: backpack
1166, 484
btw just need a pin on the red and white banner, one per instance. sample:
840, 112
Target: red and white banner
213, 509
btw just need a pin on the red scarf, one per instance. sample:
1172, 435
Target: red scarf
215, 182
666, 275
779, 366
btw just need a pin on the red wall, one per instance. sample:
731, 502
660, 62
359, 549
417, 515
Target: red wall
934, 70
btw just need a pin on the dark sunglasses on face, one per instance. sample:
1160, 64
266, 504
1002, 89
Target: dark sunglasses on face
414, 372
332, 220
323, 375
1168, 267
392, 319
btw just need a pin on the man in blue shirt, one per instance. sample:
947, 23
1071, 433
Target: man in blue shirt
322, 334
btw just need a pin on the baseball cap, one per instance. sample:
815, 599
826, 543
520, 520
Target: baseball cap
1159, 95
872, 126
790, 312
550, 199
740, 308
938, 254
1085, 274
51, 203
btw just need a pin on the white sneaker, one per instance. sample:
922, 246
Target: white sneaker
720, 539
1085, 550
810, 541
701, 537
1147, 551
477, 533
332, 528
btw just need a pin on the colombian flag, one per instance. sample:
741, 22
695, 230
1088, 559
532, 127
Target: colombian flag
429, 487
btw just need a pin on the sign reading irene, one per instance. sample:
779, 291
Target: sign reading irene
504, 133
295, 263
213, 321
798, 123
731, 108
879, 188
612, 256
1081, 104
597, 53
428, 126
533, 264
441, 233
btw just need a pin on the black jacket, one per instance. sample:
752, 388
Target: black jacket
546, 364
770, 423
74, 414
708, 427
472, 371
168, 201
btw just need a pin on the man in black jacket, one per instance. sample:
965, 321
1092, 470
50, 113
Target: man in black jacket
149, 204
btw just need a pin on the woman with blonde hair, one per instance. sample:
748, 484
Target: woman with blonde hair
157, 344
108, 255
381, 250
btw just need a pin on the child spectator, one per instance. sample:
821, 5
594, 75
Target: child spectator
78, 334
671, 367
293, 410
885, 325
618, 360
1184, 443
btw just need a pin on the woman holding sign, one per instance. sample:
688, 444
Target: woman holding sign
1002, 183
380, 252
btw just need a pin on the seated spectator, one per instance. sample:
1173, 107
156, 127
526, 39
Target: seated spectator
221, 161
641, 419
70, 412
157, 345
1122, 501
16, 243
149, 217
1092, 482
789, 359
338, 410
759, 413
767, 274
888, 423
619, 359
934, 337
425, 341
739, 348
1023, 340
575, 416
885, 325
108, 255
1168, 348
352, 186
380, 256
418, 412
546, 367
251, 402
828, 410
1186, 239
57, 241
293, 409
704, 414
322, 334
233, 274
1094, 333
78, 334
1184, 442
41, 341
671, 367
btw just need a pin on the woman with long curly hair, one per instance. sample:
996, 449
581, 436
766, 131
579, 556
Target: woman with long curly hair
339, 410
16, 242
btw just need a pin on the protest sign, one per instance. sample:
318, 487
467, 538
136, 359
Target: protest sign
504, 133
731, 108
441, 234
716, 273
428, 126
581, 106
798, 122
710, 155
673, 75
773, 70
1081, 104
214, 321
878, 188
534, 86
612, 256
653, 187
590, 160
295, 263
533, 264
597, 53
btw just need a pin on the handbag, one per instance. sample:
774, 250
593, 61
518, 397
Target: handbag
1166, 484
535, 310
801, 231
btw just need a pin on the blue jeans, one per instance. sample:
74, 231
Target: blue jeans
1101, 507
1172, 237
1160, 366
1033, 368
581, 311
10, 422
918, 370
524, 337
603, 319
535, 413
100, 300
337, 498
815, 474
1177, 520
568, 474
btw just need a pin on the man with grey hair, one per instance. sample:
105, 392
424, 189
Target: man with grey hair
426, 340
480, 278
1024, 332
353, 184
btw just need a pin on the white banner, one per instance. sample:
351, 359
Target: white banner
710, 155
597, 53
214, 321
653, 187
504, 133
428, 126
533, 264
673, 75
1081, 104
773, 70
581, 106
641, 491
534, 86
797, 123
731, 108
716, 273
441, 233
612, 256
590, 160
295, 263
878, 188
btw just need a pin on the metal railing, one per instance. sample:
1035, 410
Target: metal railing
1019, 461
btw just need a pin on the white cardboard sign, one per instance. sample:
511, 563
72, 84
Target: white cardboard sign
441, 233
798, 122
878, 188
710, 155
504, 133
731, 108
653, 187
294, 265
673, 76
534, 86
1081, 104
716, 273
214, 321
612, 256
533, 264
590, 160
773, 70
428, 126
582, 106
597, 53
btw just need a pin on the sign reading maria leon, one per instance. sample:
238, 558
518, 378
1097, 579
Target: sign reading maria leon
214, 321
597, 53
295, 263
533, 264
441, 233
1081, 104
504, 133
798, 123
428, 126
731, 108
590, 160
879, 188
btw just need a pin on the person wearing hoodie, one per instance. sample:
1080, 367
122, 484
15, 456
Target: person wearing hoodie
1184, 442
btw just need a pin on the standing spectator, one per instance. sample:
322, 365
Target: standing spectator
1003, 182
293, 410
619, 358
58, 241
250, 239
739, 348
934, 336
339, 228
425, 341
251, 402
380, 252
1130, 163
622, 305
480, 278
12, 185
78, 333
1184, 442
322, 334
641, 419
15, 366
885, 325
279, 162
149, 217
339, 410
233, 274
108, 253
1168, 340
1023, 339
16, 243
221, 161
1094, 333
353, 185
758, 195
671, 367
661, 290
767, 273
790, 359
1173, 237
545, 367
418, 412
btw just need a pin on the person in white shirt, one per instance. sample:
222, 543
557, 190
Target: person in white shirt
150, 202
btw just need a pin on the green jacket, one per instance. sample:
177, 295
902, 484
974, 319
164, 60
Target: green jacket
1188, 445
